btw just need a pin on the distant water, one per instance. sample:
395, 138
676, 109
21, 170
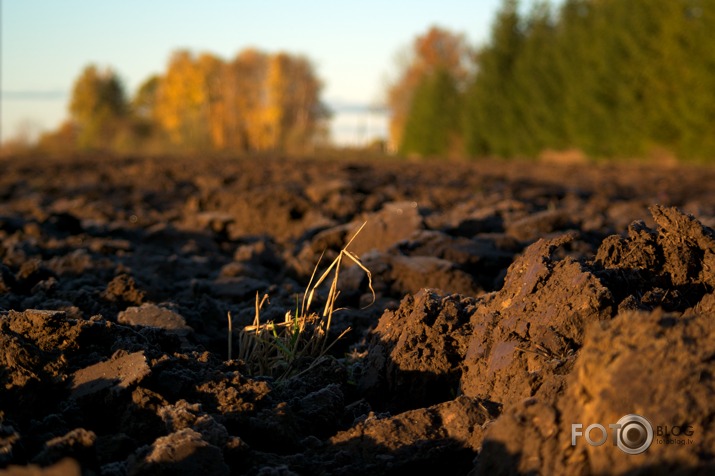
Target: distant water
357, 125
32, 113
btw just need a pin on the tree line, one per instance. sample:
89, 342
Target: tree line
606, 78
255, 102
611, 78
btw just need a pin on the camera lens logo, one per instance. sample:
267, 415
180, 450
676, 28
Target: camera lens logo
634, 434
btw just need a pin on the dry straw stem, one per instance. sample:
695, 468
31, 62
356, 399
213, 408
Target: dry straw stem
275, 348
230, 336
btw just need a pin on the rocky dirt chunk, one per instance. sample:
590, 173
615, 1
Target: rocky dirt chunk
297, 409
398, 444
382, 230
181, 453
49, 330
688, 247
269, 209
539, 224
277, 418
190, 415
680, 249
656, 365
651, 364
77, 444
531, 327
115, 375
65, 467
409, 274
124, 289
469, 218
76, 262
32, 344
31, 273
415, 353
396, 221
258, 259
233, 395
22, 363
151, 315
637, 250
523, 440
671, 267
395, 275
180, 415
479, 257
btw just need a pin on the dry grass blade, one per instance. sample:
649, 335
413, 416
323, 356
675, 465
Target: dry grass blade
357, 261
308, 299
354, 236
230, 335
332, 296
275, 349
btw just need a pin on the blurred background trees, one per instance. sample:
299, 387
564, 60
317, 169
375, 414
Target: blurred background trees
256, 102
98, 107
432, 123
605, 78
424, 96
611, 78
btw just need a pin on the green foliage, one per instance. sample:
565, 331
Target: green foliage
144, 101
486, 118
432, 121
609, 77
97, 107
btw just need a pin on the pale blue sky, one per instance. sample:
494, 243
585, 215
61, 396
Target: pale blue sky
46, 43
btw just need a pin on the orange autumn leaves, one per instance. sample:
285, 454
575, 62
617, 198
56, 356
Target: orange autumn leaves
255, 102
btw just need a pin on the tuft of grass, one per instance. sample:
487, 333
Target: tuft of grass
299, 343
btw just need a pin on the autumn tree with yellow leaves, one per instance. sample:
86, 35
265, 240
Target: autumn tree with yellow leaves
243, 82
291, 108
186, 100
256, 102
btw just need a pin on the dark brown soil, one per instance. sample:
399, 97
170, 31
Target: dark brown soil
513, 300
